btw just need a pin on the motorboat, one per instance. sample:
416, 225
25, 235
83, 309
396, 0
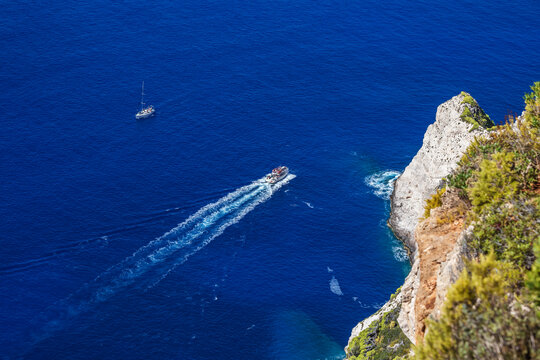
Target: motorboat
277, 175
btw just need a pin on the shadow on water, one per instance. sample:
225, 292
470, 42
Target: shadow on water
296, 336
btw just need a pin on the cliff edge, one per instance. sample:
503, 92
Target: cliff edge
444, 143
468, 194
436, 248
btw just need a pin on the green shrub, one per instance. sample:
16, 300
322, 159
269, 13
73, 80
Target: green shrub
533, 277
477, 117
393, 296
482, 319
508, 230
496, 181
383, 339
468, 99
459, 180
524, 144
489, 312
532, 106
433, 202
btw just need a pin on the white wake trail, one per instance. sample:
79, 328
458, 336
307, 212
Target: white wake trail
151, 263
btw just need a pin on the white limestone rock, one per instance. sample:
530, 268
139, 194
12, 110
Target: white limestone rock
444, 143
407, 316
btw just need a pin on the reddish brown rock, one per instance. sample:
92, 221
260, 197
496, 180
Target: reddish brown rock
436, 237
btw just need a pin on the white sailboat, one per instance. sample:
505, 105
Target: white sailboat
145, 112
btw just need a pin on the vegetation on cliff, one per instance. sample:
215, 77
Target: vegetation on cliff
486, 315
499, 175
381, 340
433, 202
473, 113
493, 310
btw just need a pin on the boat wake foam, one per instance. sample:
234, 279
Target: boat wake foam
382, 183
162, 255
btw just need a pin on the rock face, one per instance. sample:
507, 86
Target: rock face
407, 316
440, 260
444, 143
438, 244
450, 269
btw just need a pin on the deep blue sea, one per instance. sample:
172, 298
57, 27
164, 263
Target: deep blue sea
156, 239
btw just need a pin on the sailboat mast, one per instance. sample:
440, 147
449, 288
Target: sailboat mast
142, 96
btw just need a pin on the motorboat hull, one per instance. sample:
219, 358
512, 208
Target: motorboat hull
274, 178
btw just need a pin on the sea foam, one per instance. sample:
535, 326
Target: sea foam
382, 183
400, 254
334, 286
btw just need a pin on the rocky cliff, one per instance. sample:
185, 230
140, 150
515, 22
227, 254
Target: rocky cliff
432, 243
437, 244
444, 143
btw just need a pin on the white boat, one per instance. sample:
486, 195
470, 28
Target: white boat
277, 175
145, 112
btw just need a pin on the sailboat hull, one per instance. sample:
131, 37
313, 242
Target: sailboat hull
144, 114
